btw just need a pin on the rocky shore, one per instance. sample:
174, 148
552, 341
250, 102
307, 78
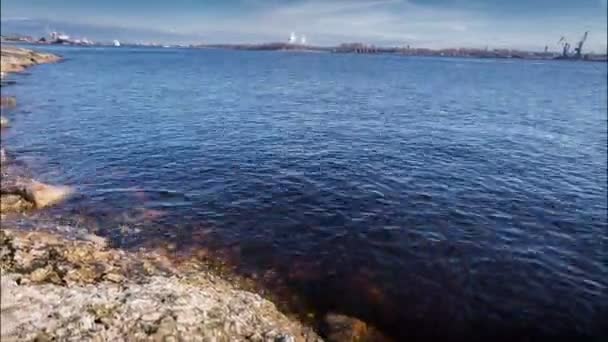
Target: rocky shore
18, 191
17, 59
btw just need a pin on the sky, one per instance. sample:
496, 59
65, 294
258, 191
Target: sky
525, 24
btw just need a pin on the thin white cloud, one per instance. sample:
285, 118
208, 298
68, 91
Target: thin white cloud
16, 19
326, 22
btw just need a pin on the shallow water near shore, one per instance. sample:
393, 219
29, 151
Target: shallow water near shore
428, 196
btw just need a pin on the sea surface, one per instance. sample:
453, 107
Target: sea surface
429, 196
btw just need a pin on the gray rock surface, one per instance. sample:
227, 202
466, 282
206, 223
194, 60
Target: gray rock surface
160, 309
72, 290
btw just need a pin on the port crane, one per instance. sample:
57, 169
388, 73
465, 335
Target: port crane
565, 46
579, 47
578, 50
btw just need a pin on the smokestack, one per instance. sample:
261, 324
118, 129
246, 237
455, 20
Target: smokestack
293, 38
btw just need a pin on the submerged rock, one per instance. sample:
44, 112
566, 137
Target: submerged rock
342, 328
22, 195
10, 203
3, 122
5, 82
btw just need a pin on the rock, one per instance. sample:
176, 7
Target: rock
83, 275
21, 193
3, 122
109, 312
45, 274
114, 277
8, 102
284, 338
342, 328
62, 289
10, 203
167, 328
17, 59
98, 240
44, 195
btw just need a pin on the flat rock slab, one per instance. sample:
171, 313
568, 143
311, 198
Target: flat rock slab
160, 309
15, 59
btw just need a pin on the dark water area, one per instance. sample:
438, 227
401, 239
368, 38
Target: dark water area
431, 197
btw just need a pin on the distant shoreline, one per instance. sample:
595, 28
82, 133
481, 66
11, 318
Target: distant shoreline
354, 48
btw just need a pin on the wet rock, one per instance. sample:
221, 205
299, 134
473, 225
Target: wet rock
45, 195
20, 193
342, 328
12, 190
8, 101
11, 203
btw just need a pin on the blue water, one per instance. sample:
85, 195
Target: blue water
429, 196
